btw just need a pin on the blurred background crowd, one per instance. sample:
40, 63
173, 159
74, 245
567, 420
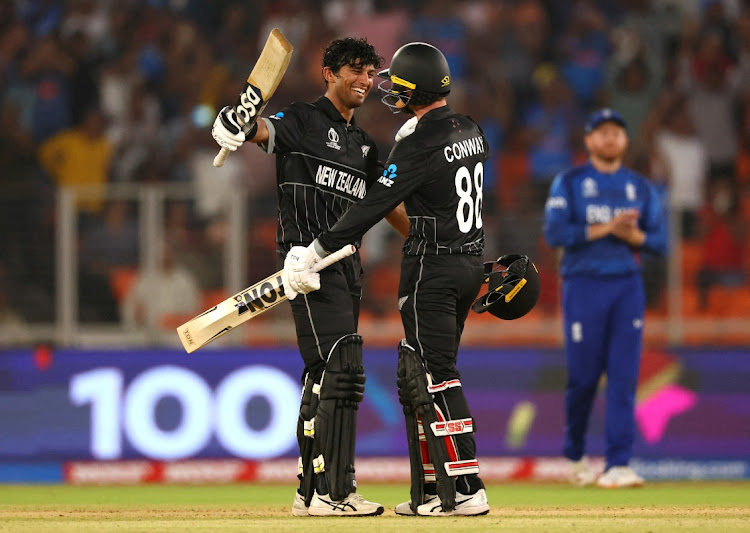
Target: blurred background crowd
104, 94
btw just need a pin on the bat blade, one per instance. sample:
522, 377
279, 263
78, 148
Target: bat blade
246, 304
265, 79
221, 318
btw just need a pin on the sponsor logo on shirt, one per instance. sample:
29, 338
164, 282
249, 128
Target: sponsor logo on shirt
556, 202
389, 174
589, 188
333, 139
277, 116
341, 180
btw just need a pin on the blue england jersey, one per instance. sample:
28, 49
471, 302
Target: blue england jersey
581, 196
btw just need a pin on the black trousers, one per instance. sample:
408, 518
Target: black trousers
435, 295
324, 316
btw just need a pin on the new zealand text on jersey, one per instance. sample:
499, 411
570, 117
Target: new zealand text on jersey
341, 181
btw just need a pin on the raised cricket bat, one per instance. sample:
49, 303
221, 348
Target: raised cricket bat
243, 306
261, 83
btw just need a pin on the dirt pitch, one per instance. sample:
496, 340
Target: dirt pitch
659, 507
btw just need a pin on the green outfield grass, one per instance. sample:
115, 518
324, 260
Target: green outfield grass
657, 508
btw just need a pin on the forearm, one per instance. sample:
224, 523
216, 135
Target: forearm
597, 231
261, 134
399, 220
635, 238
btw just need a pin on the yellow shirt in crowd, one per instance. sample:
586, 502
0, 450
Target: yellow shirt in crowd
73, 158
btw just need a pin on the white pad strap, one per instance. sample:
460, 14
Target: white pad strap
319, 464
462, 468
309, 428
439, 387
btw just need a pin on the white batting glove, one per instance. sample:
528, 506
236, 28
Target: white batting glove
227, 131
288, 291
407, 129
298, 269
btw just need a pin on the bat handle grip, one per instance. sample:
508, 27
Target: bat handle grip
221, 157
328, 260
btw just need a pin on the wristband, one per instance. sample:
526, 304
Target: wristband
250, 131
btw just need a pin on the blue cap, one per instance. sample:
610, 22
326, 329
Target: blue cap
601, 116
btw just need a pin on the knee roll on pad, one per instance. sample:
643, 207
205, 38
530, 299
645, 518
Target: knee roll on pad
341, 390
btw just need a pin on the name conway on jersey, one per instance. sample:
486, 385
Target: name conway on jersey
438, 173
324, 165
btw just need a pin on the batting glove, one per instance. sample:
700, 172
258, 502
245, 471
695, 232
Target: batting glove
407, 129
288, 291
226, 130
298, 269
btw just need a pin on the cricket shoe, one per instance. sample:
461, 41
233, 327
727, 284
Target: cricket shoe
466, 505
298, 505
404, 509
619, 477
352, 505
581, 472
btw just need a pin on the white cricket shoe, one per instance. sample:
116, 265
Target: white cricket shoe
404, 509
298, 505
466, 505
619, 476
352, 505
581, 472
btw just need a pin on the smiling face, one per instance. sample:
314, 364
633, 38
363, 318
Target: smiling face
349, 87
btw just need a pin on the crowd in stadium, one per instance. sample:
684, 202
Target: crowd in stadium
99, 92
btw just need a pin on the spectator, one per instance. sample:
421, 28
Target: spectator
685, 159
633, 81
585, 49
80, 156
711, 104
157, 296
725, 235
109, 248
548, 127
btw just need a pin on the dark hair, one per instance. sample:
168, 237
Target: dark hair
350, 51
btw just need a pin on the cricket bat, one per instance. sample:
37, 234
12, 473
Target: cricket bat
243, 306
261, 83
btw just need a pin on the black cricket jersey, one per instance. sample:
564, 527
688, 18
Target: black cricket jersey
437, 172
323, 166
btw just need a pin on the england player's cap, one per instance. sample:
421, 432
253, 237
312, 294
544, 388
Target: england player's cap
601, 116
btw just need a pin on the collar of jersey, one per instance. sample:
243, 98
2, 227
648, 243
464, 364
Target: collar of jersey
325, 105
437, 113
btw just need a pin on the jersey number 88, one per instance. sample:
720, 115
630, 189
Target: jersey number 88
468, 218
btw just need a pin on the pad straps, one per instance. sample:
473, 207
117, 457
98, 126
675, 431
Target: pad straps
413, 386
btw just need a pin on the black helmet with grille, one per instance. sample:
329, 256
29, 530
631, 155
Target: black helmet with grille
514, 287
418, 75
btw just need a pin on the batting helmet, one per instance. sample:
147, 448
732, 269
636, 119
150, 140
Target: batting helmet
514, 288
418, 75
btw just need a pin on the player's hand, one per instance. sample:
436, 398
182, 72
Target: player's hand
625, 223
407, 129
226, 130
288, 291
298, 269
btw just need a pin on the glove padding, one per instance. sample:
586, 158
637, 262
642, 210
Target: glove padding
226, 130
298, 274
407, 129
